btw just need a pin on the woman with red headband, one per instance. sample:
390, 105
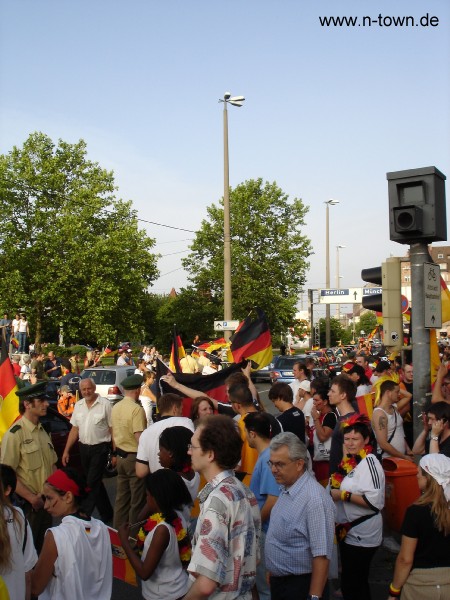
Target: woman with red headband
76, 559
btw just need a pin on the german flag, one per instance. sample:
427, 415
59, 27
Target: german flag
365, 404
211, 385
9, 403
122, 568
252, 341
177, 352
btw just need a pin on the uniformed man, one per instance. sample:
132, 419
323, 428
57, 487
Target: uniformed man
28, 449
128, 422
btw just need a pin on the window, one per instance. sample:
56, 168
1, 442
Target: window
407, 278
440, 256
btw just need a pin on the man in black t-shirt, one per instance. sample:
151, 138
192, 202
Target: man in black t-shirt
291, 418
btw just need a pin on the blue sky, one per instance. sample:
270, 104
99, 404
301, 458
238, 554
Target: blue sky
328, 111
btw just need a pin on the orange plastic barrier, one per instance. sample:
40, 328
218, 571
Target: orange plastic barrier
402, 489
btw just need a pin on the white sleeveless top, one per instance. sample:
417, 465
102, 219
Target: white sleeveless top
83, 568
398, 439
169, 580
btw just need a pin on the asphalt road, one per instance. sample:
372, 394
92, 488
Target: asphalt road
382, 565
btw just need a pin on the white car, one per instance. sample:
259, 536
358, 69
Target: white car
108, 380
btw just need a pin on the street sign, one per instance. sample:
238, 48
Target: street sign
432, 296
372, 291
225, 325
405, 304
341, 296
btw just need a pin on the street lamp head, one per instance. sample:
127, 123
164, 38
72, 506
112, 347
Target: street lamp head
227, 96
331, 202
237, 99
235, 103
340, 246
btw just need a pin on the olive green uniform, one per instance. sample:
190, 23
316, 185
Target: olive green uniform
28, 449
128, 418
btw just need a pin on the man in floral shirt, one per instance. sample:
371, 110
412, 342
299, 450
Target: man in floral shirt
226, 539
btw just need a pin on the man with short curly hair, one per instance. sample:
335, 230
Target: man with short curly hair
226, 539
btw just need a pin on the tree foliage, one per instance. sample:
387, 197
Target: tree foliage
269, 253
193, 315
337, 332
70, 252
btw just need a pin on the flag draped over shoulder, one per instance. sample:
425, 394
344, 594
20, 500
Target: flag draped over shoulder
211, 385
9, 402
252, 341
177, 352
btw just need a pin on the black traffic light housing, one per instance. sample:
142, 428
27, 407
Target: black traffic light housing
389, 302
417, 211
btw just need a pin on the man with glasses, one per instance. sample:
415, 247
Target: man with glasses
28, 449
299, 541
225, 543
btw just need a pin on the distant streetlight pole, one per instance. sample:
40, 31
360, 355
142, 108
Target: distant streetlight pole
227, 297
327, 274
338, 279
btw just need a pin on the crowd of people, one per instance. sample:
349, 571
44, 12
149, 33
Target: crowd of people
229, 501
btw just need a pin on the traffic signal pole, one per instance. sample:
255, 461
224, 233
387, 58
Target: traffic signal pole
420, 335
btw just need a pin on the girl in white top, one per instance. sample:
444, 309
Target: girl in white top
146, 397
387, 423
17, 553
76, 558
164, 540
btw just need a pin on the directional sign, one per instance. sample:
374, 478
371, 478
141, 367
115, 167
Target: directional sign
432, 296
372, 291
225, 325
341, 296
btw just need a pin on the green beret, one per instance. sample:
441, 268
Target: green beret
132, 382
38, 390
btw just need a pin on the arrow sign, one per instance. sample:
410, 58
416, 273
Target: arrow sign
340, 296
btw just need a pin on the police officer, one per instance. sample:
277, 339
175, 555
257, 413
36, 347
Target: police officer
128, 422
28, 449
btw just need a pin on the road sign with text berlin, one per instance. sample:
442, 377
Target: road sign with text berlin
341, 296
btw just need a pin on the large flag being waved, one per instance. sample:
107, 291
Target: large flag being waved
211, 385
252, 341
177, 352
9, 402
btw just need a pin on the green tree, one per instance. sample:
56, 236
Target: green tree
70, 252
336, 332
367, 322
193, 314
269, 252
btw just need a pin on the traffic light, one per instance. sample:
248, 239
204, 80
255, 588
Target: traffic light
389, 302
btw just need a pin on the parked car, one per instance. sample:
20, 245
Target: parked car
108, 380
264, 373
282, 368
58, 427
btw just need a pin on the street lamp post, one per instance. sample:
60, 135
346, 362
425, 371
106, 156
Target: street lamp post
338, 279
327, 273
227, 296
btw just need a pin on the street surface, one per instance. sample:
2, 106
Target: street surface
382, 565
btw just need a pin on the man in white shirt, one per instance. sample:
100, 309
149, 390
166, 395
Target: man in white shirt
170, 408
91, 424
301, 373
